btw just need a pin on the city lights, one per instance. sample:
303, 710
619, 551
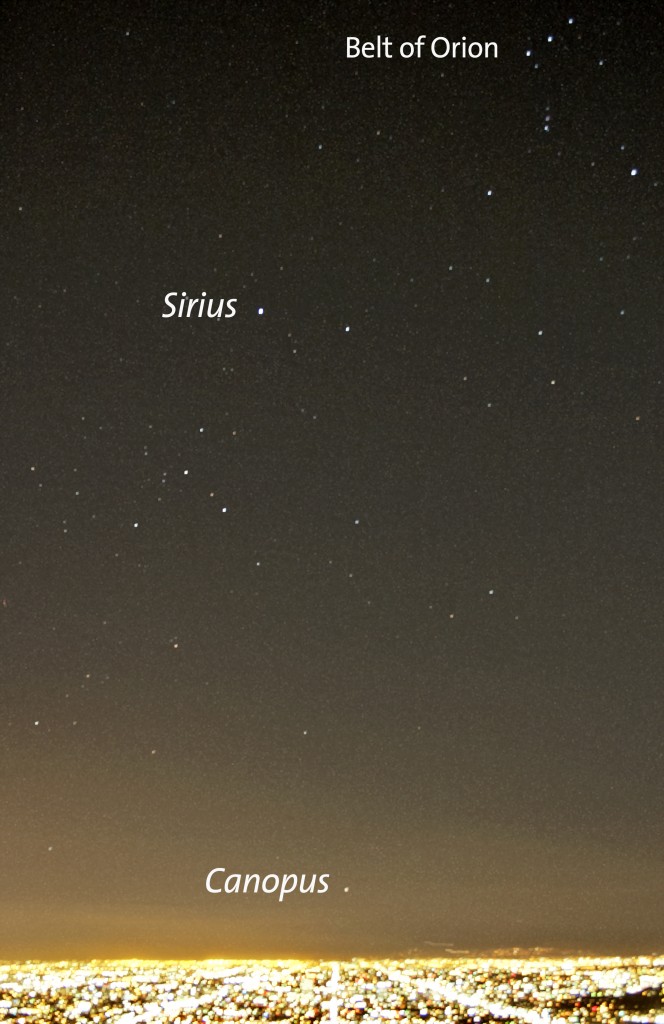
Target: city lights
468, 991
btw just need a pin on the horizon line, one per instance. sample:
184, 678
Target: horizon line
518, 953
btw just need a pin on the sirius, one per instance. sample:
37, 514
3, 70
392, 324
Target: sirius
188, 307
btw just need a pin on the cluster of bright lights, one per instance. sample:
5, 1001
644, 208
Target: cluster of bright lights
469, 990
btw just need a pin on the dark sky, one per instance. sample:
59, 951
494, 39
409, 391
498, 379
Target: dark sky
369, 583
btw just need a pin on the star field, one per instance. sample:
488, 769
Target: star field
365, 579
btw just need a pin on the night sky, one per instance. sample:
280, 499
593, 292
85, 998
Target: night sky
366, 579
